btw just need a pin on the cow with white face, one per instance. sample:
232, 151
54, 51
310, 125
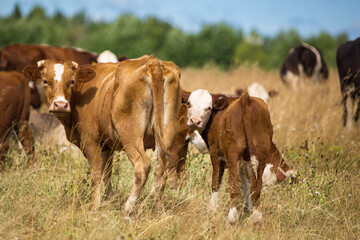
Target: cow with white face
238, 132
200, 106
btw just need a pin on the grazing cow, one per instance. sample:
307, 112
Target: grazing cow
131, 106
236, 129
14, 111
348, 63
274, 172
257, 90
303, 61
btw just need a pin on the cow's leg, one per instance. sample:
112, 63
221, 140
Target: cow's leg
173, 163
258, 165
107, 166
181, 171
142, 165
356, 117
216, 179
27, 141
245, 186
4, 146
349, 109
233, 165
93, 153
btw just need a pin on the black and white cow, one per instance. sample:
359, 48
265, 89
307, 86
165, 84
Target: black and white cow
303, 61
348, 63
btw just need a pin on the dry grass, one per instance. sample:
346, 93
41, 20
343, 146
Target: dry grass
51, 201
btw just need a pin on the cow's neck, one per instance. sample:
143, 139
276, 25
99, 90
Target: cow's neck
205, 132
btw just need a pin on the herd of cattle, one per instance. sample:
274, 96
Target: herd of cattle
106, 104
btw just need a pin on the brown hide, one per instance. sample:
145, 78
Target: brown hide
14, 110
119, 109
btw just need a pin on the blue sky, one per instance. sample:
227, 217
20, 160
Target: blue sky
308, 17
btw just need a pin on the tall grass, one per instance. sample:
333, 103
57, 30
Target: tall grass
51, 201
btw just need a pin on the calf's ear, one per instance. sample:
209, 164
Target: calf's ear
185, 96
220, 103
84, 74
32, 72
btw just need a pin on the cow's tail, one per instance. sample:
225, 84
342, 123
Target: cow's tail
157, 82
246, 115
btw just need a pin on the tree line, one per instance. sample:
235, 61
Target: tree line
216, 44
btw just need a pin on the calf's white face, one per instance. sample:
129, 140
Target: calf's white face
199, 109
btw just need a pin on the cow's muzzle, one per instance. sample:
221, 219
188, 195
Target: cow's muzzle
60, 107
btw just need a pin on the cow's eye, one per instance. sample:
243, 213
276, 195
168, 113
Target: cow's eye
45, 82
188, 104
72, 82
208, 109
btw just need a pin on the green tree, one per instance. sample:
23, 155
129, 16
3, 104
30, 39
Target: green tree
16, 14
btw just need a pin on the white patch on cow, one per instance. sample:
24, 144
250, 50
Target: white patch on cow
214, 200
233, 215
200, 107
130, 203
199, 142
40, 63
107, 57
31, 85
59, 70
269, 177
257, 90
256, 216
254, 165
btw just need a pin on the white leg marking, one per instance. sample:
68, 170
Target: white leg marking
59, 70
256, 216
233, 215
254, 165
130, 203
214, 200
269, 177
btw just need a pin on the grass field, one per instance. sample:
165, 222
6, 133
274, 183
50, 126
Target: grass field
51, 201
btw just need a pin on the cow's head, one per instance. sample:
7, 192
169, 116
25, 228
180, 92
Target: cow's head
201, 104
59, 78
277, 171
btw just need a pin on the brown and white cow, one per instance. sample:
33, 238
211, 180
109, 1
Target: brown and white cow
106, 107
14, 111
236, 129
303, 61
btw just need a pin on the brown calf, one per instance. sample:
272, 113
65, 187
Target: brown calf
106, 107
236, 129
14, 111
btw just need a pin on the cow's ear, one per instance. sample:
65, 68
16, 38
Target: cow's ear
32, 72
84, 74
220, 103
185, 96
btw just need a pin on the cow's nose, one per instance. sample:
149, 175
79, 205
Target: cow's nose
195, 121
61, 106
